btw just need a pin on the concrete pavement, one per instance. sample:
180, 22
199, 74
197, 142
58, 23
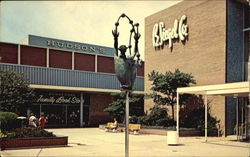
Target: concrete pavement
96, 142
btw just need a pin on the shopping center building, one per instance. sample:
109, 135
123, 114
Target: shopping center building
73, 81
210, 40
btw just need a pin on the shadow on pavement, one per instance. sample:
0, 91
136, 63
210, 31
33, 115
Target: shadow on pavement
226, 144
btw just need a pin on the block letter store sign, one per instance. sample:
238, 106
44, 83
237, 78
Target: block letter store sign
160, 34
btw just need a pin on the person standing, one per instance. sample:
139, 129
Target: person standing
32, 120
42, 120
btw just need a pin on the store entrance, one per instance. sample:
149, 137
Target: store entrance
55, 114
73, 116
61, 109
62, 115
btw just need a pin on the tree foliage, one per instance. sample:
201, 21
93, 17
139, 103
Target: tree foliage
196, 119
14, 91
8, 121
158, 116
164, 87
117, 107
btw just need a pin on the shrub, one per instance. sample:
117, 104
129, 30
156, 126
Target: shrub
157, 117
133, 120
8, 121
29, 132
196, 119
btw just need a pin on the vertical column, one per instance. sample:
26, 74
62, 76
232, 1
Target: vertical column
19, 54
177, 114
73, 60
237, 118
126, 126
47, 57
66, 114
205, 118
81, 110
40, 110
248, 114
95, 63
246, 117
242, 121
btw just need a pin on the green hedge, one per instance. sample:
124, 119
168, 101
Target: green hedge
29, 132
196, 119
158, 116
8, 121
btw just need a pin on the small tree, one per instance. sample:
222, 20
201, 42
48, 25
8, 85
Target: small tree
14, 91
196, 119
164, 87
117, 107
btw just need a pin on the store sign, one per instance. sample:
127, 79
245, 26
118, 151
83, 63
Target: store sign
160, 34
70, 45
58, 98
74, 47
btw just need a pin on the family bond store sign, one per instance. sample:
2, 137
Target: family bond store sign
160, 34
58, 98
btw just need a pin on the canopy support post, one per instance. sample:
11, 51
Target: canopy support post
205, 118
237, 118
177, 115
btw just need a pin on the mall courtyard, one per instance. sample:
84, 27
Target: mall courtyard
96, 142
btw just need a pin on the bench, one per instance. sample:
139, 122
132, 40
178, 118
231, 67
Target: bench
111, 127
134, 128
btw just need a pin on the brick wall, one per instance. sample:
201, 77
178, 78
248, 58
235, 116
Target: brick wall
60, 59
8, 53
98, 102
203, 54
84, 62
105, 64
140, 70
33, 56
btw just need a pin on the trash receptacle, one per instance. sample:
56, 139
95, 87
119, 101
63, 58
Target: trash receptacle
172, 138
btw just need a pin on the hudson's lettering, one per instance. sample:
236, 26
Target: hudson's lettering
50, 43
72, 46
69, 45
60, 44
77, 47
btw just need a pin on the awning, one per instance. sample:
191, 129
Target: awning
237, 89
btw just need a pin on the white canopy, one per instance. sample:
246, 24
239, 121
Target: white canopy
238, 89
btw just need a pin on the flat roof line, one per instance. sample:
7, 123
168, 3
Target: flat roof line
68, 88
218, 89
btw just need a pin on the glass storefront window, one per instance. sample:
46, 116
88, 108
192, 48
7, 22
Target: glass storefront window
63, 115
55, 115
73, 116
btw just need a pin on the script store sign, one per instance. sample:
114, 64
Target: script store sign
161, 35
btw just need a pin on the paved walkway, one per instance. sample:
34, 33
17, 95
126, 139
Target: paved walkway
95, 142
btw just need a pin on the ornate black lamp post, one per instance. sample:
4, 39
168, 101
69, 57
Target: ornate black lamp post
125, 67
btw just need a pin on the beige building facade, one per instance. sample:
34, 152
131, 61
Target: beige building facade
191, 36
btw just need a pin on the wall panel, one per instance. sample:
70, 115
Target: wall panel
33, 56
8, 53
84, 62
140, 70
60, 59
105, 64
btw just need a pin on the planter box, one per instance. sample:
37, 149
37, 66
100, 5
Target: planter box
183, 133
34, 142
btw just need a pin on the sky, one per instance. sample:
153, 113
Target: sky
81, 21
